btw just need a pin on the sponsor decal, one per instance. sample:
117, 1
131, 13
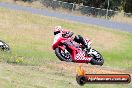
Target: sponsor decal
83, 78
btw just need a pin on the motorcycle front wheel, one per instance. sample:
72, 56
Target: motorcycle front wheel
97, 58
4, 46
62, 55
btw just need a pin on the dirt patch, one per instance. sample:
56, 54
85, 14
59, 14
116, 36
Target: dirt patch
71, 67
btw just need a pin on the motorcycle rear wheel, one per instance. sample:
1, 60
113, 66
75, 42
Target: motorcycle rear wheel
62, 55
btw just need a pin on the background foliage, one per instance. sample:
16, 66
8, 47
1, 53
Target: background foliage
125, 5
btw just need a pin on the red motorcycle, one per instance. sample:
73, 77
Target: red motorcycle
66, 49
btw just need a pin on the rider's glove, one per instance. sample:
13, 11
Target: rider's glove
67, 34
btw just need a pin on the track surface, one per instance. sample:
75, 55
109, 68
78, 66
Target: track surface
81, 19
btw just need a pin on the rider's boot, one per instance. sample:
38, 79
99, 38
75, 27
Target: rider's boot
87, 50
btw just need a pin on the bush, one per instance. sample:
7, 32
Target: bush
24, 0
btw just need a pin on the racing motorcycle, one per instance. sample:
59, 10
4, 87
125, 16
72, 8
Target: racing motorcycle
4, 46
66, 49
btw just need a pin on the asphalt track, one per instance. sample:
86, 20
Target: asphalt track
72, 17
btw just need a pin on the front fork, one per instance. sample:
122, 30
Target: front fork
93, 52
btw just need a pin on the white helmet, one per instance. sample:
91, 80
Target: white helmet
57, 30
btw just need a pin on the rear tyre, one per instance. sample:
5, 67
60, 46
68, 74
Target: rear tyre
4, 46
97, 58
62, 55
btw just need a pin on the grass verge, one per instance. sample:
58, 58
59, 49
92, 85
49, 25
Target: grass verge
30, 37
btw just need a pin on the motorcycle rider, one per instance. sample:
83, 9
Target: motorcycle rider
65, 33
79, 39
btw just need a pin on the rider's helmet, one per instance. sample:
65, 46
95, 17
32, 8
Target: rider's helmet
57, 29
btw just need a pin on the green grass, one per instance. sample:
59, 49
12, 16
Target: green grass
30, 37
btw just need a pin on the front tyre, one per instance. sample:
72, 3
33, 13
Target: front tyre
4, 47
62, 55
97, 58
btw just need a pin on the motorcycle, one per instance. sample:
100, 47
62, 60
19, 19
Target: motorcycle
66, 49
4, 46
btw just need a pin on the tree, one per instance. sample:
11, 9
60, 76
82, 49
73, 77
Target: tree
128, 6
117, 5
72, 1
93, 3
